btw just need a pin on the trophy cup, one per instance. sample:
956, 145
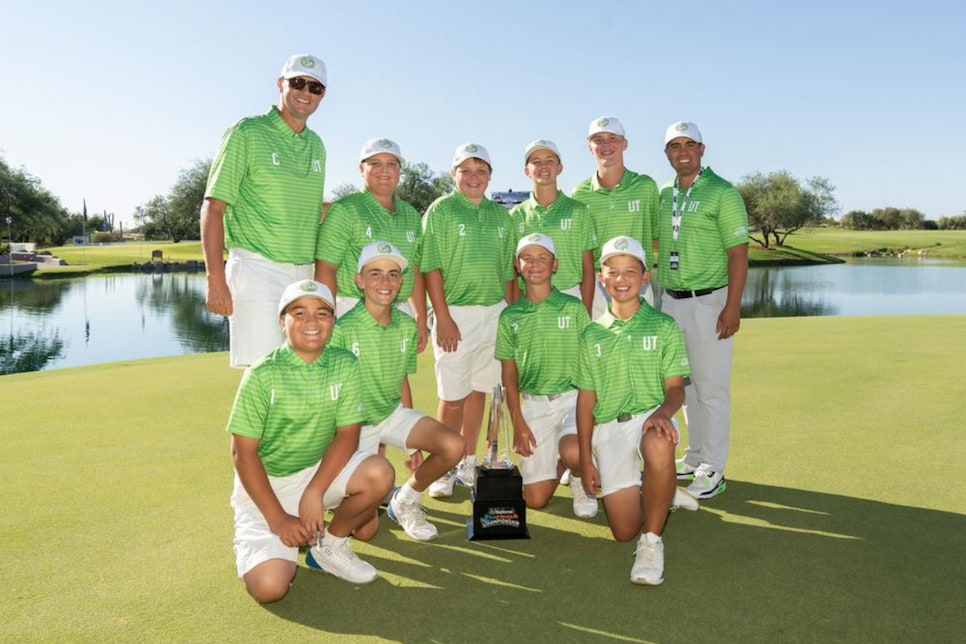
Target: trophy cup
499, 511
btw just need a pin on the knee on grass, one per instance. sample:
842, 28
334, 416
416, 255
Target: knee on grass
269, 582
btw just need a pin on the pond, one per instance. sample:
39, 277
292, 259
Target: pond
49, 324
859, 287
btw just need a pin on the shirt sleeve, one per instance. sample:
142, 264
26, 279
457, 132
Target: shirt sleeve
350, 409
584, 376
504, 338
674, 356
430, 259
228, 168
249, 412
335, 235
732, 218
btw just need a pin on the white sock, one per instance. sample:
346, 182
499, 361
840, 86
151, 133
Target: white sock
406, 494
330, 539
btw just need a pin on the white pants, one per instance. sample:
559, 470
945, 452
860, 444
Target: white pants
256, 286
707, 400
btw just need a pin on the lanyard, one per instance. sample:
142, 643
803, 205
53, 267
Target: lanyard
677, 216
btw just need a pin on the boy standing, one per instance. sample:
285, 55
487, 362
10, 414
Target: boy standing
294, 432
467, 262
384, 340
630, 376
536, 343
567, 221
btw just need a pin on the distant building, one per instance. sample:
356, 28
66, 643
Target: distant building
509, 198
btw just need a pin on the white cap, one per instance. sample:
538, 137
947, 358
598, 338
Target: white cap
380, 250
305, 288
304, 65
605, 124
378, 146
622, 246
536, 239
682, 128
471, 151
540, 144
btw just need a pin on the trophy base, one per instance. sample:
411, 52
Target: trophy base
499, 511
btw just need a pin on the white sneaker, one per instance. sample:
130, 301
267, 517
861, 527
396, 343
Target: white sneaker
585, 505
707, 483
412, 519
335, 557
648, 566
466, 471
443, 486
565, 477
683, 501
684, 471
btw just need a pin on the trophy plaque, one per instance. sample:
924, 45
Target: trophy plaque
499, 511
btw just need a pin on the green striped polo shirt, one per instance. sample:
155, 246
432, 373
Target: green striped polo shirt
358, 219
472, 246
629, 208
626, 363
273, 181
386, 354
542, 340
568, 224
293, 407
713, 219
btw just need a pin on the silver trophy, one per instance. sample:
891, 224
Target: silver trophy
494, 459
499, 511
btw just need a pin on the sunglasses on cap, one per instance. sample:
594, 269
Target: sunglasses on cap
300, 83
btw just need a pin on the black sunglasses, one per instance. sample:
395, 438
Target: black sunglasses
299, 83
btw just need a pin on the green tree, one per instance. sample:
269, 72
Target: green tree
176, 216
778, 204
420, 186
36, 214
343, 190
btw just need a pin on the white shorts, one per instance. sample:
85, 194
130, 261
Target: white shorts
393, 430
254, 542
617, 453
472, 366
256, 285
345, 303
549, 420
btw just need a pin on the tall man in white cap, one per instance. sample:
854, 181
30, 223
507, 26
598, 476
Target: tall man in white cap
550, 212
630, 376
537, 346
384, 340
620, 201
374, 213
467, 261
702, 234
294, 436
262, 203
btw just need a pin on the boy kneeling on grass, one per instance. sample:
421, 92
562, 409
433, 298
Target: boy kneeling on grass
630, 379
385, 339
294, 436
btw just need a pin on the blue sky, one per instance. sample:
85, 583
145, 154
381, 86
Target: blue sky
109, 101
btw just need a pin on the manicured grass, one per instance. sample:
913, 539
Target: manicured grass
843, 520
836, 241
90, 259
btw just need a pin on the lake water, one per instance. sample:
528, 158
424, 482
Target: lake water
49, 324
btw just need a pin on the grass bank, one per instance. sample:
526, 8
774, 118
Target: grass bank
805, 247
842, 520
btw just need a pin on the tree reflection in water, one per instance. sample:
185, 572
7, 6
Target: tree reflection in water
760, 300
198, 330
20, 352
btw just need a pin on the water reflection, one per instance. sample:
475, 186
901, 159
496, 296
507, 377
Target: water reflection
859, 287
65, 323
21, 352
771, 293
196, 329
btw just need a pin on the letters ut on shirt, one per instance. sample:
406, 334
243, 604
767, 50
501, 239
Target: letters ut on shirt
335, 390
